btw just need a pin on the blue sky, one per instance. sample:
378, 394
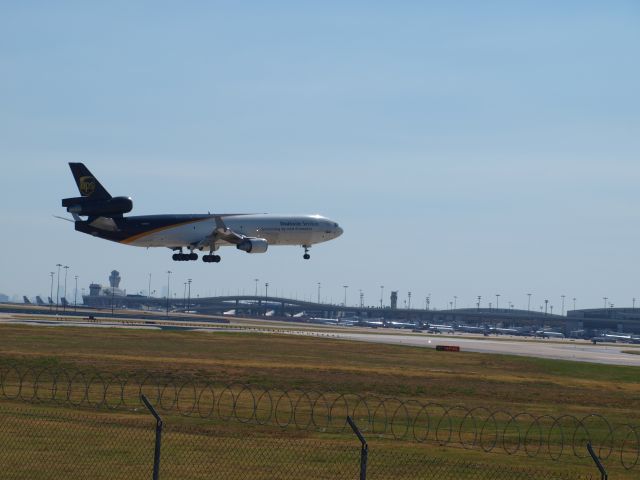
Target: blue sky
467, 149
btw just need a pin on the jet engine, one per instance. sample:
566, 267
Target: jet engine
253, 245
111, 207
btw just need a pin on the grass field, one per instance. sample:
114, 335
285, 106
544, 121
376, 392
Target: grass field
512, 383
519, 383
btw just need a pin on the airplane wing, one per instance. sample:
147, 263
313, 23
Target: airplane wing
221, 232
242, 242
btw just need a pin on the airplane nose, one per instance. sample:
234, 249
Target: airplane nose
339, 231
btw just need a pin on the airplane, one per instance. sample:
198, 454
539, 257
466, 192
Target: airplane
26, 300
249, 232
39, 300
549, 334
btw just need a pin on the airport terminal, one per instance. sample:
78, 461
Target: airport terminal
611, 324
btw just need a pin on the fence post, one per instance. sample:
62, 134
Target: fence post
603, 472
156, 455
364, 450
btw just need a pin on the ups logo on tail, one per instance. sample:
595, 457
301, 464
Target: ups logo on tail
87, 186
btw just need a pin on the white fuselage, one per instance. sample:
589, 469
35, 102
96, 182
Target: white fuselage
276, 229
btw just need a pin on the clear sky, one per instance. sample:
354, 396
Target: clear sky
467, 148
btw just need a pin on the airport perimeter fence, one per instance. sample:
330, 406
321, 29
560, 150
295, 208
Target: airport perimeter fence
40, 443
546, 437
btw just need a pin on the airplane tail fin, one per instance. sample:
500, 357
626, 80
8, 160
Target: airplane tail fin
88, 185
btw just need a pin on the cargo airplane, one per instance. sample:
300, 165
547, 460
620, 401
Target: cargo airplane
249, 232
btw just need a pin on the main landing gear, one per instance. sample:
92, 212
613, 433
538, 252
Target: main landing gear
306, 255
211, 258
184, 257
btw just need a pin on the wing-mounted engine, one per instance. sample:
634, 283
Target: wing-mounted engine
111, 207
253, 245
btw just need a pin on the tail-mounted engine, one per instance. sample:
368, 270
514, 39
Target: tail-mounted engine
112, 207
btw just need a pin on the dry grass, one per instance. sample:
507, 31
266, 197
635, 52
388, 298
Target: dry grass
283, 361
473, 379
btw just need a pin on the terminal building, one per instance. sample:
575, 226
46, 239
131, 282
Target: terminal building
577, 323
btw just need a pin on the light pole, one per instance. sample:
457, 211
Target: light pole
361, 299
319, 285
345, 294
189, 295
605, 301
428, 300
409, 295
256, 280
58, 288
479, 298
66, 270
562, 307
634, 303
546, 304
266, 290
497, 298
529, 302
551, 307
455, 302
382, 295
149, 291
75, 296
168, 290
574, 303
51, 295
184, 296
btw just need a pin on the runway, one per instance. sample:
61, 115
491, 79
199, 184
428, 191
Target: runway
578, 350
557, 349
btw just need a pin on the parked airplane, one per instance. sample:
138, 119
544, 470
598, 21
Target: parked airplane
26, 300
251, 233
396, 324
39, 300
549, 334
439, 328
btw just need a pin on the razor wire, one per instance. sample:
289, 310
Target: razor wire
489, 430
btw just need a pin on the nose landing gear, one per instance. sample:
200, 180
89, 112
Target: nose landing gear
306, 255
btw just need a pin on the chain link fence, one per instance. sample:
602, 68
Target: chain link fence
543, 436
51, 443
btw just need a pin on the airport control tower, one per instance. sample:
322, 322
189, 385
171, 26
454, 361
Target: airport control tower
394, 300
114, 279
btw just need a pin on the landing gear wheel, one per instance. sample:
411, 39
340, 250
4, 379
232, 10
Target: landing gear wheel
306, 256
211, 258
184, 257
